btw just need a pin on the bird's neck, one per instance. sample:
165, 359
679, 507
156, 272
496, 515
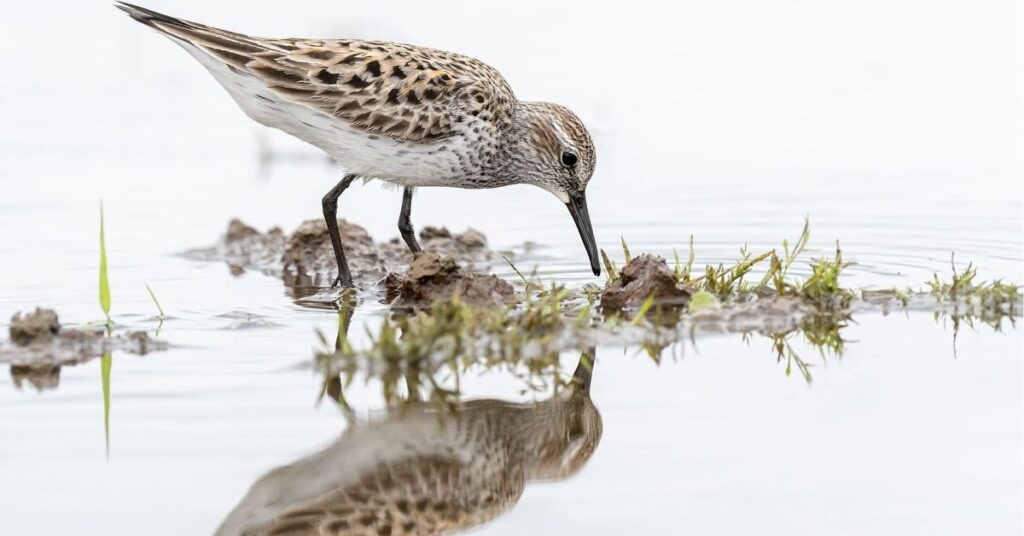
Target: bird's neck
515, 151
540, 434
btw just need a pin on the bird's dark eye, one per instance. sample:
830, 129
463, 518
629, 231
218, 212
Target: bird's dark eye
569, 159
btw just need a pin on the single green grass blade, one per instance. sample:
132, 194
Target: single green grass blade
689, 262
609, 267
625, 250
526, 282
155, 301
104, 282
106, 362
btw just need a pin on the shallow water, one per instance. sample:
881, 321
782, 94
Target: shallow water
904, 146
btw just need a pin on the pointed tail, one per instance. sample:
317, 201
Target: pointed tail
229, 47
151, 18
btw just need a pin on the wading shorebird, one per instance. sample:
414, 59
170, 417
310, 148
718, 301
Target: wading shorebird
407, 115
423, 471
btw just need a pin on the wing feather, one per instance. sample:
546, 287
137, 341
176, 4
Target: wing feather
418, 496
404, 92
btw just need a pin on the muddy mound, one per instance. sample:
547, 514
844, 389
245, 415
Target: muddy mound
39, 346
308, 251
643, 277
306, 256
431, 277
461, 245
243, 247
41, 326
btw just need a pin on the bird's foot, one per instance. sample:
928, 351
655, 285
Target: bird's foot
344, 282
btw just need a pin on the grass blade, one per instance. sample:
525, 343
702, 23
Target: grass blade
526, 282
689, 262
106, 362
609, 267
155, 301
104, 282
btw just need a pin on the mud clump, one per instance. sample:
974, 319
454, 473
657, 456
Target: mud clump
244, 247
463, 244
39, 346
306, 256
41, 325
308, 252
237, 230
43, 378
431, 278
641, 278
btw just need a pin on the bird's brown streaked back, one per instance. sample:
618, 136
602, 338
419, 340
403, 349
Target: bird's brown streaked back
404, 92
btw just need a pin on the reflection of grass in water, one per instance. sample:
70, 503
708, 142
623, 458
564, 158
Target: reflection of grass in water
422, 356
821, 331
106, 362
332, 386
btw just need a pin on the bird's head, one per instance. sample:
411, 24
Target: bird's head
551, 148
562, 436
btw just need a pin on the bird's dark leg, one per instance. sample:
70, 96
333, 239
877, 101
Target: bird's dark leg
330, 203
405, 224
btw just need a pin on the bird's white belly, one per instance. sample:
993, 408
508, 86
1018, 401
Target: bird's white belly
366, 155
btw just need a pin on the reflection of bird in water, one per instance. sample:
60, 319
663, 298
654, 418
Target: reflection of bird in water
421, 471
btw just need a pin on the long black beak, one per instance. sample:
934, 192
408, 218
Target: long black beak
577, 206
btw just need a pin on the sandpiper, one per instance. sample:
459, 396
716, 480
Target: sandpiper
404, 114
422, 471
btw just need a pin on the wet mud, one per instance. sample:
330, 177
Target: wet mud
305, 257
643, 277
431, 277
39, 346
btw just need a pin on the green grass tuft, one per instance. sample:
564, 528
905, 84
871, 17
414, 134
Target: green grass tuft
822, 287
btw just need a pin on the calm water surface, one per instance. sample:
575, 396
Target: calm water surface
896, 129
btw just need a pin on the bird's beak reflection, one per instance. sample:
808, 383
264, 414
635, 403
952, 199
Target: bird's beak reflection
577, 206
